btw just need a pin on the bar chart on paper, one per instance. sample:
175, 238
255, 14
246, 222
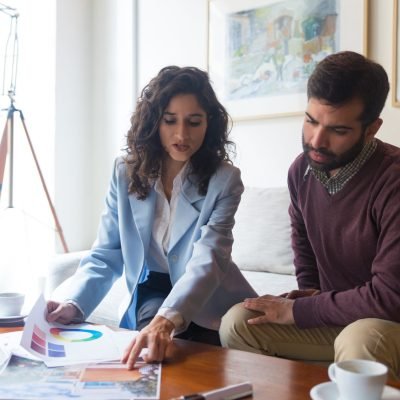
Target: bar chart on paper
40, 344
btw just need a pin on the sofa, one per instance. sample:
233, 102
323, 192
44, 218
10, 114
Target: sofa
261, 250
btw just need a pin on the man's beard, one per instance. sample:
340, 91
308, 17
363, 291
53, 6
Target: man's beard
335, 161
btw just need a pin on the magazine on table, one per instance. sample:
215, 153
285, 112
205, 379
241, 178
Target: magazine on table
25, 378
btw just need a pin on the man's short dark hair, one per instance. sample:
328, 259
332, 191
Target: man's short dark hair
343, 76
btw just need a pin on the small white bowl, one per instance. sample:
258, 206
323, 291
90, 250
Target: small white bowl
11, 303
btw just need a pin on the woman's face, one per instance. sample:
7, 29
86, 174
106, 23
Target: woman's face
183, 128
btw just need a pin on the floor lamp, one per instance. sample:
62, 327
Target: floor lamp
7, 140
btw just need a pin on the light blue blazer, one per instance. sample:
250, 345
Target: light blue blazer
205, 280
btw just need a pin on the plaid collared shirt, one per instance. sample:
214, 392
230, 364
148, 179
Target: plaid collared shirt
334, 184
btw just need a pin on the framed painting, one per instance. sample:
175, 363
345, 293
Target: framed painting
261, 52
396, 55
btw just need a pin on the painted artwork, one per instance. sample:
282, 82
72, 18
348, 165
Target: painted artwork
273, 49
261, 52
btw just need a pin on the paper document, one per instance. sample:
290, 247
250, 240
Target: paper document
60, 345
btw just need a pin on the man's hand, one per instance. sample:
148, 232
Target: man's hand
295, 294
64, 313
156, 337
275, 309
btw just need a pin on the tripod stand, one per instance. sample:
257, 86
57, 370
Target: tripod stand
7, 146
7, 140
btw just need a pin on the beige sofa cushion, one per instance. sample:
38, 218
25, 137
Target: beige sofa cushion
270, 283
262, 231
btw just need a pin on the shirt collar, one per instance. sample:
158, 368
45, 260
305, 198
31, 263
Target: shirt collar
335, 183
178, 180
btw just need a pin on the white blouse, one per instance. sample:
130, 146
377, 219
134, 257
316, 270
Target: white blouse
159, 243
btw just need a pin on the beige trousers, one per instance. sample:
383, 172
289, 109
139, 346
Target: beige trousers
370, 338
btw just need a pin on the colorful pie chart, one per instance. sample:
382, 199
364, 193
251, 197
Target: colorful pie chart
75, 334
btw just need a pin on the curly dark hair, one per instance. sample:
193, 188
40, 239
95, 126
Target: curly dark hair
144, 149
345, 75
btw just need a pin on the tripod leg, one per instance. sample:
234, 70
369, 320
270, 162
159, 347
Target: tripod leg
3, 154
53, 211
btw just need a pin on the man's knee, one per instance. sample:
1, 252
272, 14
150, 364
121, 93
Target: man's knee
231, 323
234, 326
359, 338
371, 339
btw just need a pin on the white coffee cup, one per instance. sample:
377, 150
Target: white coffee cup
11, 304
359, 379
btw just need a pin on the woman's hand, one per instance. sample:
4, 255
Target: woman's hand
156, 337
64, 313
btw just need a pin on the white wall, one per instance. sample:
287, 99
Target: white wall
112, 94
266, 148
94, 106
74, 126
170, 32
94, 103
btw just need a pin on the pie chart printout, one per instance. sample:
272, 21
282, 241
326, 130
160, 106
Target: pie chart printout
50, 346
60, 345
75, 334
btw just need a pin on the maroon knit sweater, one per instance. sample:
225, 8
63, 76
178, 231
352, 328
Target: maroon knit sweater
348, 244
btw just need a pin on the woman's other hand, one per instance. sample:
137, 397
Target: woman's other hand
156, 337
63, 313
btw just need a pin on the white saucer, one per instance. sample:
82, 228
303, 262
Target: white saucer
325, 391
12, 318
328, 391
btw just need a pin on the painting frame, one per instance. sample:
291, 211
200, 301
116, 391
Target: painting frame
352, 33
396, 54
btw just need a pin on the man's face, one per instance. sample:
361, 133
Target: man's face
333, 136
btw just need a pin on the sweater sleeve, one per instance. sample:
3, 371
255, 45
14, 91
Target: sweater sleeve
378, 297
304, 258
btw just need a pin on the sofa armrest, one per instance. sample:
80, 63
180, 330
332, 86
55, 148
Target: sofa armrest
61, 267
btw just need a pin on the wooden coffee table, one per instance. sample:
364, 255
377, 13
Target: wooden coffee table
195, 367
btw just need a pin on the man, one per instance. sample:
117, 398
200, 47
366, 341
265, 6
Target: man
345, 216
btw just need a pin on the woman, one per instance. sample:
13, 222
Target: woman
168, 221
